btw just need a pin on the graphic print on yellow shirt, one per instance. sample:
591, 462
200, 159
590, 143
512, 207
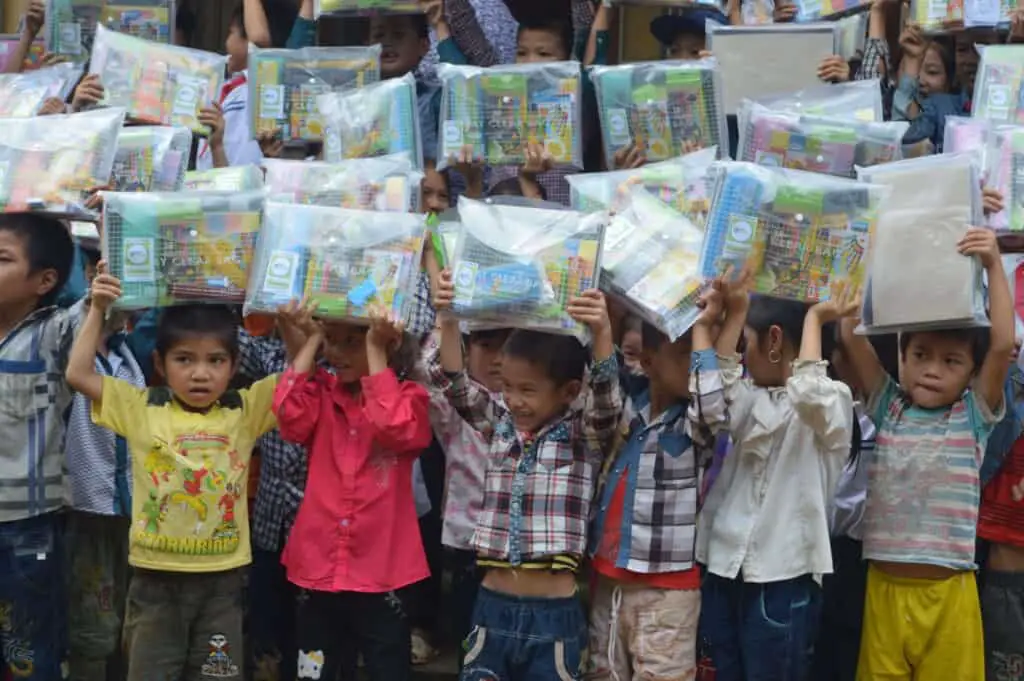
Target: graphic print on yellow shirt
190, 473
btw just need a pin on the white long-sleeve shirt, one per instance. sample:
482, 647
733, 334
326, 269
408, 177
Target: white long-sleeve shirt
767, 515
239, 145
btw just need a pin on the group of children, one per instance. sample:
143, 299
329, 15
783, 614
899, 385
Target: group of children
771, 496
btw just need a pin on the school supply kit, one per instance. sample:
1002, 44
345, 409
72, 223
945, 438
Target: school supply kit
231, 179
151, 159
22, 94
365, 7
71, 24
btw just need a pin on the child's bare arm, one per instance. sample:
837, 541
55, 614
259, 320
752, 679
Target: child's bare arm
257, 28
81, 372
35, 17
602, 22
992, 375
736, 300
861, 354
845, 302
451, 336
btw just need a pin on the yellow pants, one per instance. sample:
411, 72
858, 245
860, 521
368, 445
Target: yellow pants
921, 629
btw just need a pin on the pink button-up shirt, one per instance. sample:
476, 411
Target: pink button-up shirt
356, 529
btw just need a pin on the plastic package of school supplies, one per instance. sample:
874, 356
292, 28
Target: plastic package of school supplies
151, 159
158, 84
47, 162
820, 10
232, 179
681, 182
285, 86
71, 24
181, 247
918, 278
497, 111
344, 261
1004, 171
22, 94
963, 135
375, 120
800, 233
660, 107
1013, 266
936, 15
859, 100
651, 258
366, 7
388, 183
521, 265
834, 146
997, 86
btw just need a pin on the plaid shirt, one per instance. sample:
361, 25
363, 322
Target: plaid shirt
422, 317
33, 400
661, 464
282, 481
537, 492
876, 64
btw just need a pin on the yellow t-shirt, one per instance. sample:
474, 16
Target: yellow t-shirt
189, 473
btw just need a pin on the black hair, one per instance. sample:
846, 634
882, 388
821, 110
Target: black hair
48, 246
560, 27
185, 21
947, 54
977, 339
189, 321
418, 22
485, 335
561, 358
92, 255
651, 339
510, 187
237, 20
788, 315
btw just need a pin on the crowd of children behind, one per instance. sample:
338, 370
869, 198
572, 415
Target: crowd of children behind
738, 498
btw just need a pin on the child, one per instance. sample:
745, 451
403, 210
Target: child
684, 36
356, 540
35, 19
35, 337
190, 444
545, 447
922, 617
643, 621
763, 533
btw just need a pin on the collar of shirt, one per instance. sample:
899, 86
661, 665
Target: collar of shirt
33, 317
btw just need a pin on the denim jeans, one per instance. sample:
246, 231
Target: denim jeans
525, 639
760, 632
33, 629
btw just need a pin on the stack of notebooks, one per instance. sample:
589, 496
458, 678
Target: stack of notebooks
47, 163
151, 159
997, 87
285, 85
22, 94
388, 183
659, 107
345, 262
185, 247
496, 112
800, 233
158, 84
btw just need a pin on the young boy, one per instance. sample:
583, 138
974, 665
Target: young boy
35, 338
545, 447
921, 616
643, 620
190, 444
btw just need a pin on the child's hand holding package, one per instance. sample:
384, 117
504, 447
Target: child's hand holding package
88, 93
105, 290
591, 310
981, 241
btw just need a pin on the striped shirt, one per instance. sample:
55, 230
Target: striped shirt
923, 479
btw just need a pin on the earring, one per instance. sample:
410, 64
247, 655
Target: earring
774, 356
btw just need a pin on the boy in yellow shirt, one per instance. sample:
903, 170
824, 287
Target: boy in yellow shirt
190, 444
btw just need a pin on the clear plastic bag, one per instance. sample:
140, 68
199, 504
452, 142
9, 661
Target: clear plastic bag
833, 146
651, 258
158, 84
934, 16
968, 135
1013, 266
682, 182
343, 261
918, 149
1004, 171
151, 159
376, 120
518, 266
918, 278
232, 179
758, 12
285, 86
22, 94
859, 100
47, 162
497, 111
181, 247
365, 7
800, 233
997, 87
662, 107
71, 24
387, 183
824, 10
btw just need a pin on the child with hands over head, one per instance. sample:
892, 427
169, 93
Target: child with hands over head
191, 443
356, 539
546, 438
922, 616
765, 545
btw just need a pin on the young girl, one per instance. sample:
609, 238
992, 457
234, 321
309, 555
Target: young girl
764, 533
356, 539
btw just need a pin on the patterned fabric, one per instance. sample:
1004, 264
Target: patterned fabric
282, 464
422, 317
537, 494
847, 517
923, 487
484, 31
876, 64
33, 400
98, 465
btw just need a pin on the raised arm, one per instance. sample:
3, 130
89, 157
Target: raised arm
708, 412
465, 30
81, 371
603, 407
257, 28
992, 375
35, 18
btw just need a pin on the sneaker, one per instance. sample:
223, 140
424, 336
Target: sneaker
422, 651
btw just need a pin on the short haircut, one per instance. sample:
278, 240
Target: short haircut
417, 22
560, 27
766, 312
184, 322
185, 21
650, 338
510, 187
977, 339
48, 246
485, 335
561, 358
